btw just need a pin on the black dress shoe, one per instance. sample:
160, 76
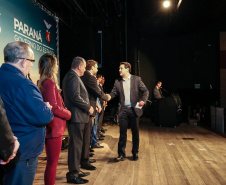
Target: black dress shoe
88, 167
97, 146
103, 130
77, 180
135, 157
120, 158
83, 174
101, 135
91, 154
92, 160
91, 150
100, 139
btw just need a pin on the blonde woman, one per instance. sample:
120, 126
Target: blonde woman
48, 84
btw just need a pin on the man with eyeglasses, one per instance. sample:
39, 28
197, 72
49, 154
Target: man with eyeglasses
25, 110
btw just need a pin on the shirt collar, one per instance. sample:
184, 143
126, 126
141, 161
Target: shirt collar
127, 78
11, 68
75, 71
89, 72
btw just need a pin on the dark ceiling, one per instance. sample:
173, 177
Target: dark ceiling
189, 14
183, 40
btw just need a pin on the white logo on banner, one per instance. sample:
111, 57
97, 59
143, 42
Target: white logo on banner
48, 35
30, 36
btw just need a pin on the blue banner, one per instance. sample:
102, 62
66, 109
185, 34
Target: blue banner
22, 20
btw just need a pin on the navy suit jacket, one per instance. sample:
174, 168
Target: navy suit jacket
136, 87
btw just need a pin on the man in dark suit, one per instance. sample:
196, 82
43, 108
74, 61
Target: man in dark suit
157, 95
130, 107
157, 92
90, 81
76, 99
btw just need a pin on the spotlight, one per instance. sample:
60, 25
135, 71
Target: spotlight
166, 4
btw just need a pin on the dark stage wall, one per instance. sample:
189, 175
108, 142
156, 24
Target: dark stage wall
178, 60
181, 61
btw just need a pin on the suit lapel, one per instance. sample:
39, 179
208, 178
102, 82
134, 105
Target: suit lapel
131, 85
81, 82
121, 87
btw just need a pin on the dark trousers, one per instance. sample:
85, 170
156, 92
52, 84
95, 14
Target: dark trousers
86, 145
128, 119
79, 140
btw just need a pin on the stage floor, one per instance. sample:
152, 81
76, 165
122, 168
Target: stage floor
167, 156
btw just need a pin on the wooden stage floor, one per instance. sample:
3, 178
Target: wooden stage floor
167, 156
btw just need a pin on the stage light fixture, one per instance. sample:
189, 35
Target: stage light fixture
166, 4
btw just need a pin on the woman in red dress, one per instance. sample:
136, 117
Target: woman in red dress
48, 84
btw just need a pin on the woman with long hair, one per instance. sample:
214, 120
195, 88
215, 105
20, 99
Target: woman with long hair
48, 84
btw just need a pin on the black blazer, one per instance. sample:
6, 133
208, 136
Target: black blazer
76, 97
136, 87
93, 89
6, 135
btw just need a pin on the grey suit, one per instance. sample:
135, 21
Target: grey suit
129, 116
77, 101
157, 93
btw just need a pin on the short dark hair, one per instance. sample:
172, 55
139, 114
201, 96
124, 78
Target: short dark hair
16, 50
77, 61
127, 65
158, 82
99, 75
90, 64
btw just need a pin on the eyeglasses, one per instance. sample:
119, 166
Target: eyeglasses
27, 59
